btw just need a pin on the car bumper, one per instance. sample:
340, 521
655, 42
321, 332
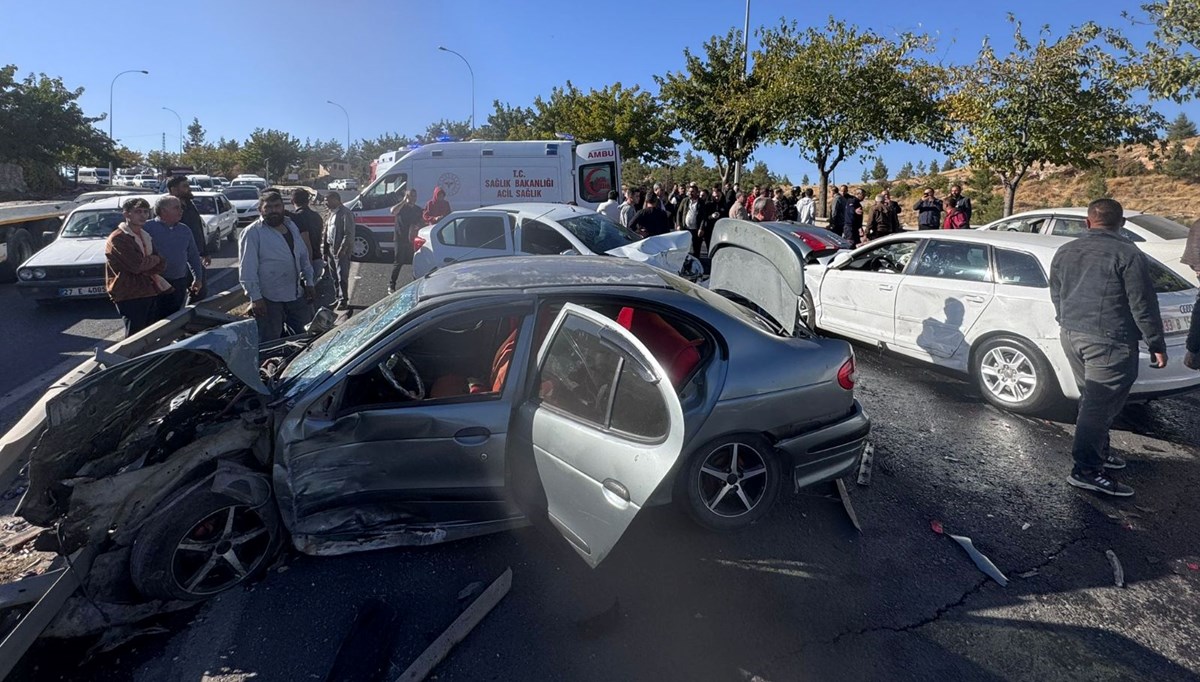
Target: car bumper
62, 289
244, 219
1170, 380
830, 451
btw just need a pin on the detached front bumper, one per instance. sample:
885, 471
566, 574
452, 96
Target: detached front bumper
830, 451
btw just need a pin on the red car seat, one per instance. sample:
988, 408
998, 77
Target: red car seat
673, 350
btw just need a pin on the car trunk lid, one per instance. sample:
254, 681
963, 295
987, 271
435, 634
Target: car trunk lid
759, 266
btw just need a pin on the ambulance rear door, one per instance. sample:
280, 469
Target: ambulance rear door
597, 170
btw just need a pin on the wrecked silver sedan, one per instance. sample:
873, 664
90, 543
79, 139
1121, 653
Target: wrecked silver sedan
575, 390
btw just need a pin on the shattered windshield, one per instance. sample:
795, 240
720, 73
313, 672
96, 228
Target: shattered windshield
340, 343
598, 233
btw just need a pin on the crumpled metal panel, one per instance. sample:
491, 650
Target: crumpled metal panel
760, 266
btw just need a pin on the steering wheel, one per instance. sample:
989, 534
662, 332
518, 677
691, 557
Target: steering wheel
388, 369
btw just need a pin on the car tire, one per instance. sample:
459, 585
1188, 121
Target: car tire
808, 312
364, 245
712, 500
184, 553
1013, 375
20, 249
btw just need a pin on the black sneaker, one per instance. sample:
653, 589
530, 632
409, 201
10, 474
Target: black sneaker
1114, 462
1101, 483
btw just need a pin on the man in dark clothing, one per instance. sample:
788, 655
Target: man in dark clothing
852, 215
690, 216
311, 229
339, 245
1104, 302
651, 220
961, 202
1191, 359
929, 211
409, 219
178, 186
836, 216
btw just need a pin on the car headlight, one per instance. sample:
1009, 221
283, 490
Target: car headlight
25, 275
39, 273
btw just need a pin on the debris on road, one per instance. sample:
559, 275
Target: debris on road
936, 526
1118, 571
1026, 526
470, 591
1029, 574
459, 629
845, 495
864, 467
952, 460
981, 561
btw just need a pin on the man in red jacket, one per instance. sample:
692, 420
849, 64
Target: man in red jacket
437, 207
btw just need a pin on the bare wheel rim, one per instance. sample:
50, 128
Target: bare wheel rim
1009, 374
732, 480
361, 247
220, 551
805, 312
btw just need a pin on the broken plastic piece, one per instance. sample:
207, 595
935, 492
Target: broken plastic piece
1193, 565
845, 495
1118, 571
936, 526
1026, 526
982, 562
1028, 574
864, 467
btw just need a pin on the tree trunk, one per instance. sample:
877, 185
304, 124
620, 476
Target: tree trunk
823, 193
1011, 183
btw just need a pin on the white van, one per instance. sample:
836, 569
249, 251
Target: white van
479, 173
94, 176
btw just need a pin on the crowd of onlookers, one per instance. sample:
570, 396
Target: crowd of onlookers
697, 209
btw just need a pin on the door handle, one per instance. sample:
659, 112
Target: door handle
474, 435
886, 287
974, 299
616, 488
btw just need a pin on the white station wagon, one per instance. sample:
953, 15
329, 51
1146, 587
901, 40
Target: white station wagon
979, 303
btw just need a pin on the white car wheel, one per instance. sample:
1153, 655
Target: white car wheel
1012, 375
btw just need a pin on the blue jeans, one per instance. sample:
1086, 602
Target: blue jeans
1104, 370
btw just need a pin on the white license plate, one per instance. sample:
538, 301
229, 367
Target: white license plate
81, 291
1172, 325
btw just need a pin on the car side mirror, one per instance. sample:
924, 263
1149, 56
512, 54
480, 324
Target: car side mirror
840, 259
323, 321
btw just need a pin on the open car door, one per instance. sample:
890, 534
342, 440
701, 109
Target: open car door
605, 426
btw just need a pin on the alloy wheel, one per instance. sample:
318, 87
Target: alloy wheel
361, 248
221, 550
1009, 374
733, 480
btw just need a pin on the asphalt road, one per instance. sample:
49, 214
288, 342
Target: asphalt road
799, 596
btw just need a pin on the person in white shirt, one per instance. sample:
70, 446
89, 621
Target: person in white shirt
276, 271
611, 208
806, 208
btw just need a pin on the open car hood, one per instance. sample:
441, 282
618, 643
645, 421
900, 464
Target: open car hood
759, 266
668, 251
107, 421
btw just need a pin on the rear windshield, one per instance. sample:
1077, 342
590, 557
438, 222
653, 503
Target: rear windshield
240, 193
1160, 227
598, 233
206, 205
1164, 280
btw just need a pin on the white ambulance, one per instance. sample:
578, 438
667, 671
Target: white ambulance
479, 173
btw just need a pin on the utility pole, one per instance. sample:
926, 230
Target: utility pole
737, 169
164, 144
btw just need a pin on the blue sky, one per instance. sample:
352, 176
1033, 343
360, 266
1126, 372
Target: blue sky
239, 65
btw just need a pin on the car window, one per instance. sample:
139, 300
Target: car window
889, 258
540, 239
1027, 225
1164, 280
953, 260
638, 409
598, 233
595, 181
206, 205
1160, 227
386, 192
479, 232
579, 372
1069, 227
1021, 269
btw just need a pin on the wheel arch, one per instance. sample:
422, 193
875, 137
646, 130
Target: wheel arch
1066, 384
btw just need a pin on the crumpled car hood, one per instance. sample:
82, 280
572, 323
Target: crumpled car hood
98, 427
668, 251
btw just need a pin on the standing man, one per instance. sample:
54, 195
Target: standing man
132, 271
435, 209
962, 203
651, 220
311, 227
806, 208
837, 215
409, 219
689, 215
339, 242
894, 209
174, 243
1104, 302
630, 207
611, 208
276, 271
178, 186
929, 211
852, 215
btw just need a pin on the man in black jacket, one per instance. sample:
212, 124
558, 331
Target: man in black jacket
178, 186
1104, 302
929, 211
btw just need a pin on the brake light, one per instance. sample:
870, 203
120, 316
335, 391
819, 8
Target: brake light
418, 242
847, 374
811, 241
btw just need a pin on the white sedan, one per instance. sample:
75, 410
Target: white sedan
979, 303
220, 216
1160, 238
538, 229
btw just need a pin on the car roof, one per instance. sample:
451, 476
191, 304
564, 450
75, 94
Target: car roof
525, 272
1041, 245
535, 209
1077, 211
114, 203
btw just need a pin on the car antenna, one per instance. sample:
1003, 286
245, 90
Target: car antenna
481, 246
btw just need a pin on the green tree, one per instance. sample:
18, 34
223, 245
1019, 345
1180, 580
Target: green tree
879, 172
711, 101
934, 168
1181, 128
270, 152
758, 174
42, 126
804, 180
1180, 164
1168, 66
162, 160
1096, 186
508, 123
124, 157
458, 130
866, 176
195, 134
1044, 103
921, 172
894, 97
631, 117
905, 172
986, 205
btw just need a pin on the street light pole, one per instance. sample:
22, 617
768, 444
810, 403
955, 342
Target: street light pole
329, 101
180, 127
110, 109
737, 170
472, 72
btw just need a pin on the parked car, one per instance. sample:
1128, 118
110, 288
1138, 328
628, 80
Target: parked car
72, 266
1156, 236
344, 184
220, 217
253, 180
146, 180
979, 303
539, 229
245, 200
567, 390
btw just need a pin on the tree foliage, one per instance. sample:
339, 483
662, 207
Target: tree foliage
1168, 65
1181, 128
631, 117
711, 101
934, 168
885, 91
1049, 102
195, 134
270, 152
42, 125
508, 123
879, 172
905, 172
